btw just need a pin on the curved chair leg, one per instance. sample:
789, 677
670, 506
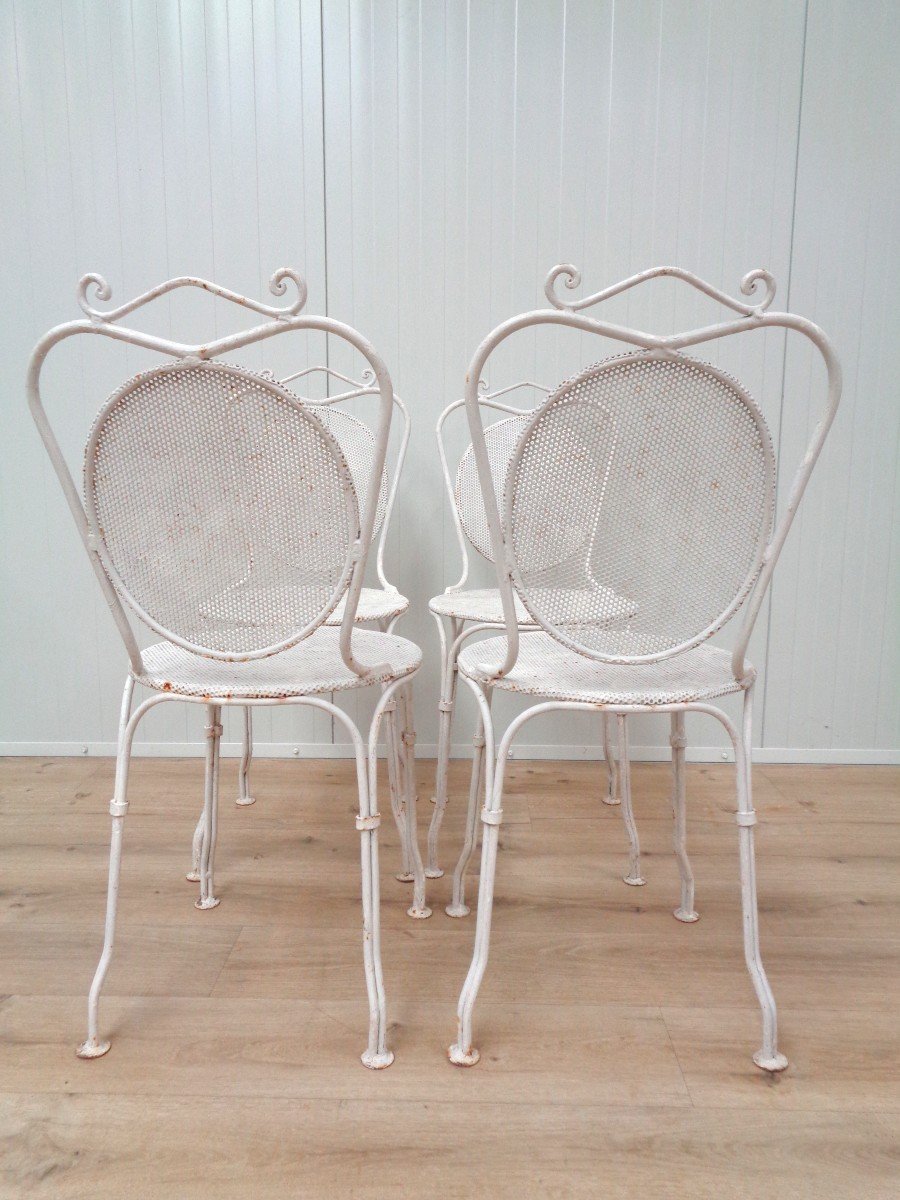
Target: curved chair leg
396, 777
376, 1056
463, 1053
612, 766
458, 907
685, 911
449, 678
244, 798
418, 909
634, 876
210, 818
395, 774
93, 1047
768, 1057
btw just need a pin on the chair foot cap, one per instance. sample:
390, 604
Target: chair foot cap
92, 1049
193, 877
377, 1062
460, 1058
612, 801
775, 1062
245, 801
434, 872
211, 902
404, 876
687, 918
634, 880
419, 914
457, 910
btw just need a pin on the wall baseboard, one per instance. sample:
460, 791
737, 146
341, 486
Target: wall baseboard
426, 750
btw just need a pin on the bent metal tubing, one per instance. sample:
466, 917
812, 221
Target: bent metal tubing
376, 1055
463, 1052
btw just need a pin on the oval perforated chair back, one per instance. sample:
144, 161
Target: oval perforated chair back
358, 445
644, 478
501, 439
224, 509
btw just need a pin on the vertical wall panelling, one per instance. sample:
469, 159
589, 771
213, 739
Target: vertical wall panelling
424, 164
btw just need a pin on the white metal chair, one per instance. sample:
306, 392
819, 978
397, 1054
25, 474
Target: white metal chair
655, 473
381, 607
461, 612
222, 512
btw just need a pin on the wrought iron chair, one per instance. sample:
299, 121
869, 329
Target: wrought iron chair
461, 612
221, 511
381, 607
656, 473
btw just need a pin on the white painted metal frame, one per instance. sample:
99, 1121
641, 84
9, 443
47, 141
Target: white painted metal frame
568, 314
278, 321
452, 634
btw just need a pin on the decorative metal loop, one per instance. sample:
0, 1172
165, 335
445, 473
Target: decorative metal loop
277, 286
749, 287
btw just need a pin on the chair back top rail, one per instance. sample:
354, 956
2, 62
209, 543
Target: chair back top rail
490, 400
281, 320
569, 314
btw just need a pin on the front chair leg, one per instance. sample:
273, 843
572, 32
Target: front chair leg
685, 911
463, 1053
634, 876
209, 819
93, 1046
768, 1057
244, 796
376, 1056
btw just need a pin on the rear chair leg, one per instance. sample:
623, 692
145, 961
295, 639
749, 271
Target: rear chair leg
612, 766
458, 906
244, 797
634, 876
418, 909
396, 776
449, 677
685, 911
210, 816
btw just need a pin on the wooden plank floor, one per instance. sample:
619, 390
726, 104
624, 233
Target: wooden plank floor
616, 1043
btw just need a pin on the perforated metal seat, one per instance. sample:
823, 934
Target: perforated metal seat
476, 604
546, 668
308, 669
375, 604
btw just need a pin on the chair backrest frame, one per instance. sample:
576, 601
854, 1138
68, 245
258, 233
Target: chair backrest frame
280, 321
488, 400
568, 314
